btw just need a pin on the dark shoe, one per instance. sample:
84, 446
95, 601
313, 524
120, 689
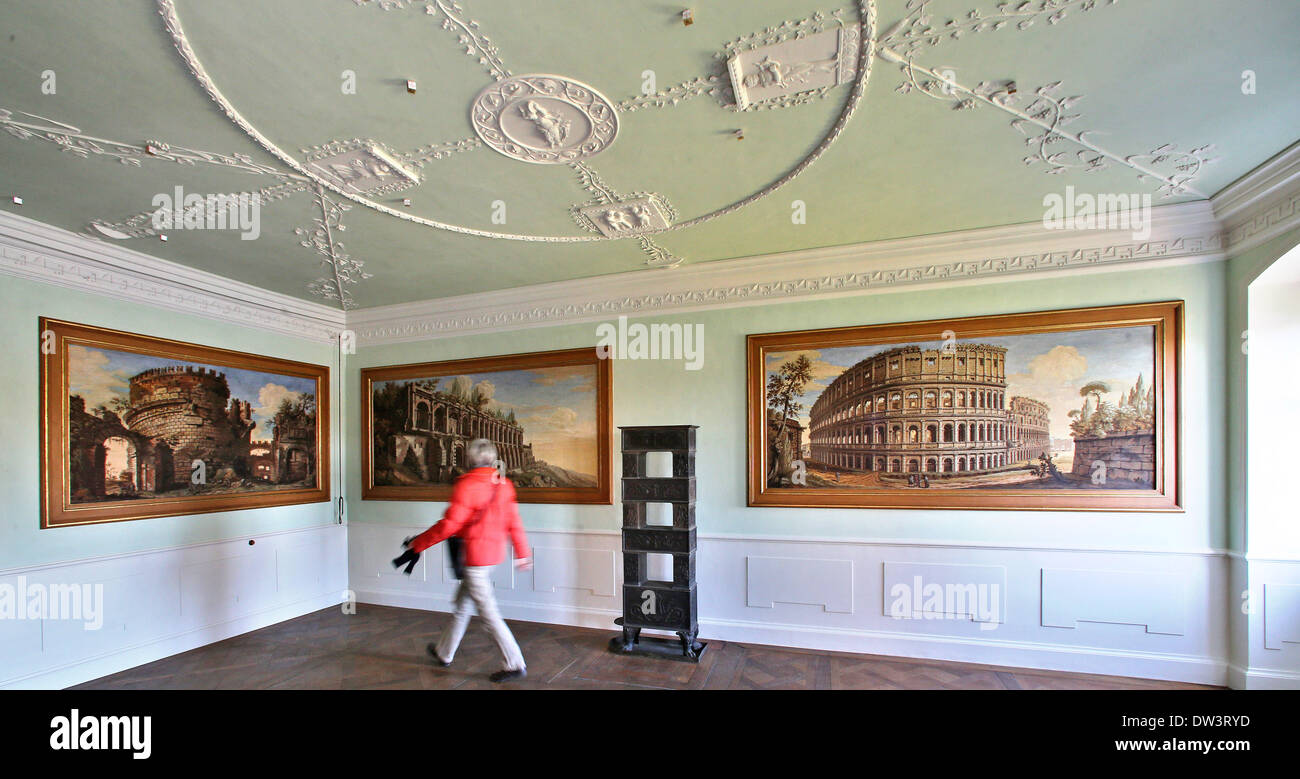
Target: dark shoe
508, 676
433, 652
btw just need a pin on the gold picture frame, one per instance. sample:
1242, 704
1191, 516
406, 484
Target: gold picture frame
416, 454
936, 414
137, 427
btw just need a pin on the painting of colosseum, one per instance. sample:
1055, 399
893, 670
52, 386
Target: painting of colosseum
546, 420
1065, 410
153, 432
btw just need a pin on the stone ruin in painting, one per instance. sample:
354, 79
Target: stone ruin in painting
908, 416
420, 433
437, 427
173, 418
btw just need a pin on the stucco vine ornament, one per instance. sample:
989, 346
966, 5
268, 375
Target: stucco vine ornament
711, 84
141, 225
455, 21
322, 237
73, 141
790, 64
920, 28
1044, 114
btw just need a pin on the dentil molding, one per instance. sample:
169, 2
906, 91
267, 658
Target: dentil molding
1180, 233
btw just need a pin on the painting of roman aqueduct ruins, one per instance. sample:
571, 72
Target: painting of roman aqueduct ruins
546, 420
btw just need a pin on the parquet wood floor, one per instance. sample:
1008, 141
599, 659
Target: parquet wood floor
384, 648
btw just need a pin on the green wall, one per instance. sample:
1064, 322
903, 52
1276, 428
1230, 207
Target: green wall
652, 392
22, 542
662, 392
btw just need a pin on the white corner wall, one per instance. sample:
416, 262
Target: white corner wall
169, 584
159, 603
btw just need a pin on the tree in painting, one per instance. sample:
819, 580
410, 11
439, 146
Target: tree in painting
783, 390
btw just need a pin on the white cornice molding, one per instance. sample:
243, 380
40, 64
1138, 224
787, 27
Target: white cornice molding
1180, 233
1263, 204
35, 250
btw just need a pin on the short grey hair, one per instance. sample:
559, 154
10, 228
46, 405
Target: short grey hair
481, 452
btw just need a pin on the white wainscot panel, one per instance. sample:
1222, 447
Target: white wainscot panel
371, 550
825, 583
129, 610
594, 570
222, 588
374, 546
20, 631
945, 591
503, 575
574, 581
1281, 615
1156, 601
141, 607
303, 570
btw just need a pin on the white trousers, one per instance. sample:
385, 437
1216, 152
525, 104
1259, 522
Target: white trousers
476, 589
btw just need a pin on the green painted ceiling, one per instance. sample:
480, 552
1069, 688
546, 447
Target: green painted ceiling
1150, 73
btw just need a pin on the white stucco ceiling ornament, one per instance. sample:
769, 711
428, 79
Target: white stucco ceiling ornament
618, 215
544, 119
626, 217
71, 139
712, 84
1043, 114
776, 73
437, 151
560, 120
454, 20
656, 255
566, 121
545, 125
323, 238
361, 166
141, 225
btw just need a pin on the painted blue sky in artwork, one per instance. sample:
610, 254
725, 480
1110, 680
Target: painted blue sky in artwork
1050, 367
526, 390
101, 374
556, 407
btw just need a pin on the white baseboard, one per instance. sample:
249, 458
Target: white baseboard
1262, 679
1074, 659
1047, 657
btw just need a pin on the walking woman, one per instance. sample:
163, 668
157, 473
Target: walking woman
483, 513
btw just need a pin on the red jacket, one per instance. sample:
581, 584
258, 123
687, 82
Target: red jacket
485, 535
